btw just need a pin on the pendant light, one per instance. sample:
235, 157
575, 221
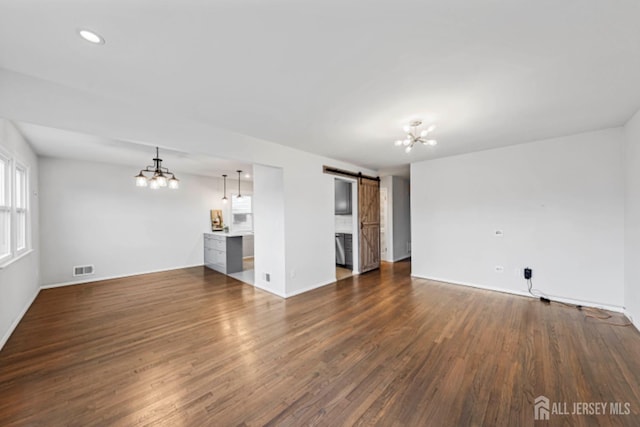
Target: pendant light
224, 199
239, 195
159, 177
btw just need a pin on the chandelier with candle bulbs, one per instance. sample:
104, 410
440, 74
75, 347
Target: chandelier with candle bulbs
414, 136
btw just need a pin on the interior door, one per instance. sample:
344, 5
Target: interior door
369, 219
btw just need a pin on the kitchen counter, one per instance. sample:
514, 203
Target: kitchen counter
230, 234
223, 252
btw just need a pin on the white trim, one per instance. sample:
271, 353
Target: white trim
271, 291
636, 323
16, 258
100, 279
615, 308
310, 288
18, 319
18, 166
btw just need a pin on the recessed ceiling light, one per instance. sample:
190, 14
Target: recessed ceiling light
247, 176
90, 36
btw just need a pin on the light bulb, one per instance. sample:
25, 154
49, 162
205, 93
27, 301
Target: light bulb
406, 141
424, 133
91, 37
408, 149
141, 180
174, 183
225, 200
153, 183
162, 180
398, 143
406, 128
432, 142
431, 128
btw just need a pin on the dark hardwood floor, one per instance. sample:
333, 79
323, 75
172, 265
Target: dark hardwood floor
195, 348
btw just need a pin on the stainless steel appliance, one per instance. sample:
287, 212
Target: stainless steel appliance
340, 255
344, 250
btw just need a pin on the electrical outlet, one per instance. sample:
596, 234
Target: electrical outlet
499, 269
498, 233
528, 273
267, 277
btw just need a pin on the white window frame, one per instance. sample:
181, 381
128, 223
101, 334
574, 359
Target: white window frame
25, 209
234, 227
15, 165
6, 207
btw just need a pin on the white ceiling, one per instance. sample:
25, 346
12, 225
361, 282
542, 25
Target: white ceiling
340, 78
50, 142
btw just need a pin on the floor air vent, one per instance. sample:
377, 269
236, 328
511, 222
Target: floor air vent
83, 270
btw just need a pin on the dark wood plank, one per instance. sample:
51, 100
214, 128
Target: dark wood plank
195, 347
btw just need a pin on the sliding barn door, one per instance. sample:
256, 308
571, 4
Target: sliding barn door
369, 218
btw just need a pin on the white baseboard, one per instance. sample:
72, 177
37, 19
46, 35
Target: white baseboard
271, 291
615, 308
402, 257
309, 288
635, 322
17, 320
100, 279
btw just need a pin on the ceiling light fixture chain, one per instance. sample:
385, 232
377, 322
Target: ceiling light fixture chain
224, 198
159, 177
413, 136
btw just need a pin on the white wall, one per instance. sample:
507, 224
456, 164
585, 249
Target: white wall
401, 219
309, 241
92, 213
269, 214
19, 280
559, 203
632, 219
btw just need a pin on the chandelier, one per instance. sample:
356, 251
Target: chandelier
411, 130
159, 177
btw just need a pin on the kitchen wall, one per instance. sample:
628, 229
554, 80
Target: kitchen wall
93, 214
632, 219
19, 280
344, 223
559, 204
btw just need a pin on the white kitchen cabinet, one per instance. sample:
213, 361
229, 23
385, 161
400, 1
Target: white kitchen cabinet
223, 252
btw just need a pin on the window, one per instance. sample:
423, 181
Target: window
241, 214
14, 210
5, 209
21, 209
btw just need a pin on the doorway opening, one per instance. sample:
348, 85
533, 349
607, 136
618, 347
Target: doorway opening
239, 210
346, 227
